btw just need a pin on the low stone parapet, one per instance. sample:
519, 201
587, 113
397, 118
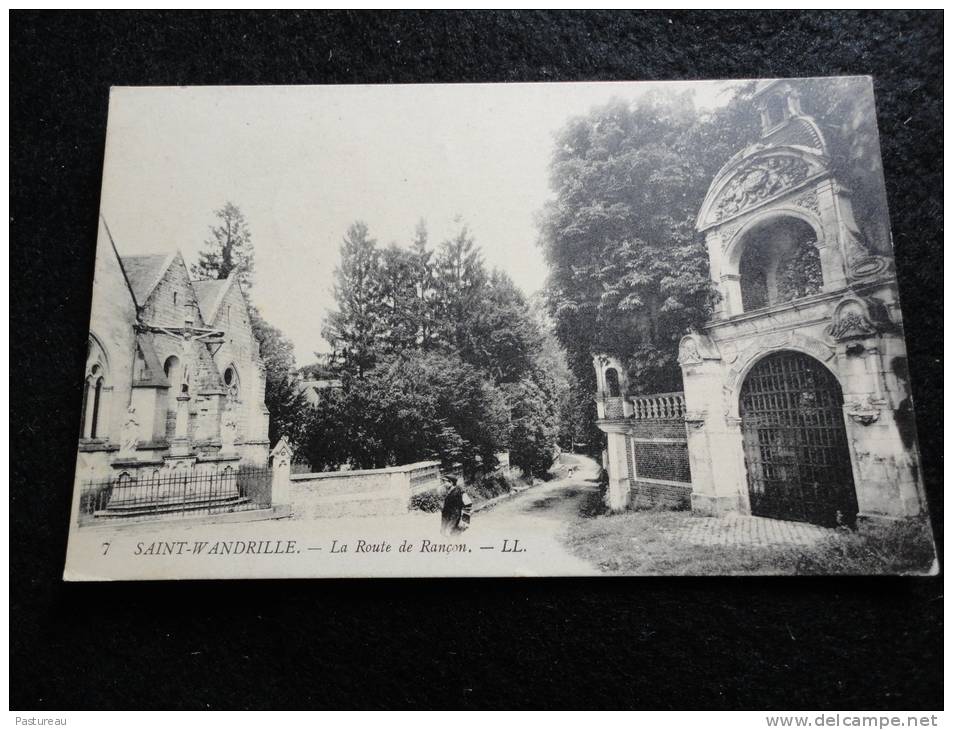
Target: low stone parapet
362, 492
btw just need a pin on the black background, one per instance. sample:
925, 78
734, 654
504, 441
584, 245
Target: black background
612, 642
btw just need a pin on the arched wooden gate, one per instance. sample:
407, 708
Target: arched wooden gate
795, 444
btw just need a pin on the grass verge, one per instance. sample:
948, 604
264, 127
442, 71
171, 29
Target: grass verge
653, 543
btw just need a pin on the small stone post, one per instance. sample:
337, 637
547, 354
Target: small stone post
281, 473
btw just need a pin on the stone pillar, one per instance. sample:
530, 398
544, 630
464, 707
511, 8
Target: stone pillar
715, 449
715, 242
731, 291
832, 266
617, 495
281, 473
181, 446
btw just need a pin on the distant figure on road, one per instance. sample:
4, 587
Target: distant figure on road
454, 517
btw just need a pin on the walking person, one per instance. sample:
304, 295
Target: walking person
451, 516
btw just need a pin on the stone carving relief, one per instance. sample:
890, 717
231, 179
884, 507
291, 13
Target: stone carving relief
281, 454
688, 352
759, 180
864, 411
857, 318
129, 435
695, 348
809, 201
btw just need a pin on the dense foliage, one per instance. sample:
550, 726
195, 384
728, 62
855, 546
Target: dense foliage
439, 358
286, 406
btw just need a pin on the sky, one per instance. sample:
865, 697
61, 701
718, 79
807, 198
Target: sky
304, 162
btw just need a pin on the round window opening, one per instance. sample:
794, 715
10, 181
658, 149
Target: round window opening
229, 376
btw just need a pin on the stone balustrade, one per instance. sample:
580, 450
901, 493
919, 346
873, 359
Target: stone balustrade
658, 406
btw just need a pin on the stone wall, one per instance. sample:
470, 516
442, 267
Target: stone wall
240, 351
663, 460
167, 305
361, 493
657, 446
651, 495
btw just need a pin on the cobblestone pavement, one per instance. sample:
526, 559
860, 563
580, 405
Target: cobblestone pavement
743, 530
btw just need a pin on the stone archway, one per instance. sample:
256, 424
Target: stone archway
797, 458
774, 259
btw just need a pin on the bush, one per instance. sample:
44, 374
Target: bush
426, 501
494, 484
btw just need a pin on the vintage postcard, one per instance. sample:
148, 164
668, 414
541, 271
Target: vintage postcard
496, 330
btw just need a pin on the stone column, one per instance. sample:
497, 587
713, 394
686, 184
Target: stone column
731, 291
180, 444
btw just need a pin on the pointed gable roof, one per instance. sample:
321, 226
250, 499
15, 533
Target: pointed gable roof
145, 272
122, 268
210, 293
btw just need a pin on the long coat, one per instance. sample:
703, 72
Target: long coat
452, 510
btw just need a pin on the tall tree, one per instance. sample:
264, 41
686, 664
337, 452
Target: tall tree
460, 277
398, 302
497, 331
425, 313
228, 249
628, 276
417, 405
353, 329
436, 357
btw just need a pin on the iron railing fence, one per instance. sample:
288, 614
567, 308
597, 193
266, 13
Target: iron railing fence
175, 493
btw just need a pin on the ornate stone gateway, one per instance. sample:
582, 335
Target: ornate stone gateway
795, 444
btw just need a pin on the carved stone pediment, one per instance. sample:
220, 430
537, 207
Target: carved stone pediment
695, 348
761, 175
757, 181
857, 318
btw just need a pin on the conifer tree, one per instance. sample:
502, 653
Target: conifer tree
353, 330
228, 249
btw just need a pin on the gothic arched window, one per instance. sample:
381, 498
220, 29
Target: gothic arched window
173, 372
93, 423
